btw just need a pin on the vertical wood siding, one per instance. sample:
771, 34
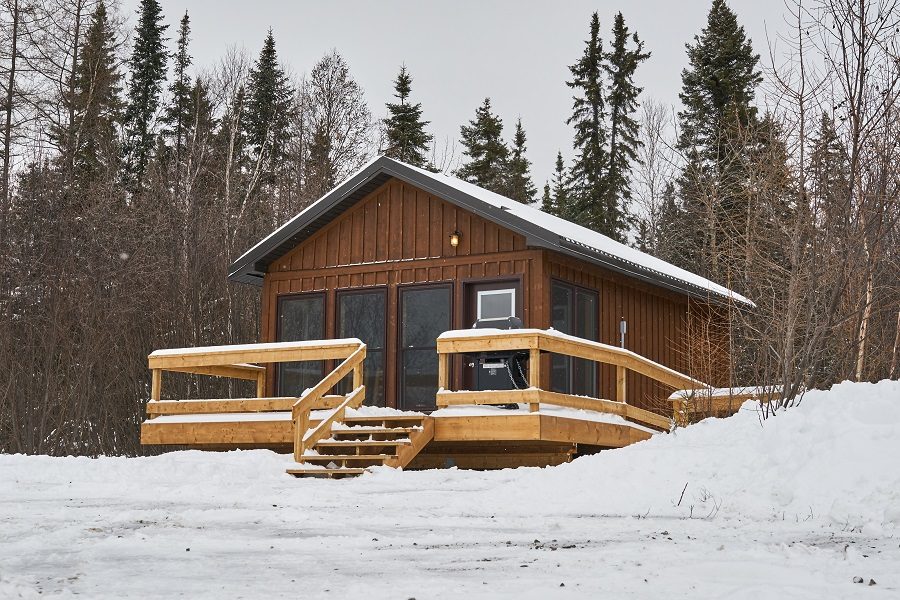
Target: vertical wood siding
400, 235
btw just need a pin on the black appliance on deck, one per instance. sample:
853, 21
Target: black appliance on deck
499, 369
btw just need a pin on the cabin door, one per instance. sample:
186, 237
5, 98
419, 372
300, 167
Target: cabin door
362, 314
424, 315
494, 301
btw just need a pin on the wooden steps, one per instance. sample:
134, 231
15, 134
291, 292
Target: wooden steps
359, 443
325, 473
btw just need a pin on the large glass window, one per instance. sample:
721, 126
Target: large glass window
424, 315
300, 318
362, 315
574, 310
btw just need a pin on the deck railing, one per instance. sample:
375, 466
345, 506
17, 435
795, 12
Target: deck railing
536, 341
237, 362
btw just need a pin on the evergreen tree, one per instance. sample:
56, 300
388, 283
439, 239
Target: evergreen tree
148, 73
96, 103
407, 139
482, 140
559, 204
717, 93
519, 185
719, 85
829, 174
179, 110
587, 185
269, 107
547, 200
620, 65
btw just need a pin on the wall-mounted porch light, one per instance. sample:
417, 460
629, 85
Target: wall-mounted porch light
454, 239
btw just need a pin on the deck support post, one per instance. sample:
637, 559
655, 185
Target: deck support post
261, 385
534, 375
156, 385
443, 372
620, 383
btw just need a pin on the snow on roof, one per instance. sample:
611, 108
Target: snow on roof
576, 235
583, 236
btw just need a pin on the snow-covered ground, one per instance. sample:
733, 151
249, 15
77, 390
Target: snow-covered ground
793, 507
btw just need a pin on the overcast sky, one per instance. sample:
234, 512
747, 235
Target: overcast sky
459, 51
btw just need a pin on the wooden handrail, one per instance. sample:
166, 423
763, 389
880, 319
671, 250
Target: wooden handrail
467, 341
536, 341
303, 438
323, 429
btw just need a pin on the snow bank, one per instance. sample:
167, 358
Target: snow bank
834, 457
797, 506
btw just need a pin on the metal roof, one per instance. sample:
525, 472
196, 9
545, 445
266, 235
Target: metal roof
252, 265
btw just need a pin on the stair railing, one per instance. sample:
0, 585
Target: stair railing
306, 437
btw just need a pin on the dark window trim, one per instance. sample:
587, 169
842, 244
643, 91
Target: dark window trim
516, 278
279, 298
576, 288
385, 290
339, 292
448, 284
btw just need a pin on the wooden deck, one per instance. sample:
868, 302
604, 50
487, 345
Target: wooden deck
334, 435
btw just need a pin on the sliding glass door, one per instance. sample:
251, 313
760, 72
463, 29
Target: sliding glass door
300, 317
362, 314
424, 315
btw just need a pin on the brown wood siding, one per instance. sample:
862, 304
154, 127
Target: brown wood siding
663, 326
399, 222
400, 235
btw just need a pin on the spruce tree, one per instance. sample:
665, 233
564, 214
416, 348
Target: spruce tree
148, 73
407, 139
587, 184
547, 200
519, 185
620, 65
717, 94
97, 105
829, 174
559, 204
482, 140
719, 84
269, 108
178, 111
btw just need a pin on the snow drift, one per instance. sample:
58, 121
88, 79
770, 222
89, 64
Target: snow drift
835, 456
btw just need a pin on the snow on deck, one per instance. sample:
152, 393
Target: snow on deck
795, 506
760, 390
545, 410
250, 347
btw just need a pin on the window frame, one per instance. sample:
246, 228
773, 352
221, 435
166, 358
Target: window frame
450, 286
506, 291
384, 290
279, 300
574, 290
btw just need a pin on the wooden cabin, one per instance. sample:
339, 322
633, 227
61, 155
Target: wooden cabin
395, 257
